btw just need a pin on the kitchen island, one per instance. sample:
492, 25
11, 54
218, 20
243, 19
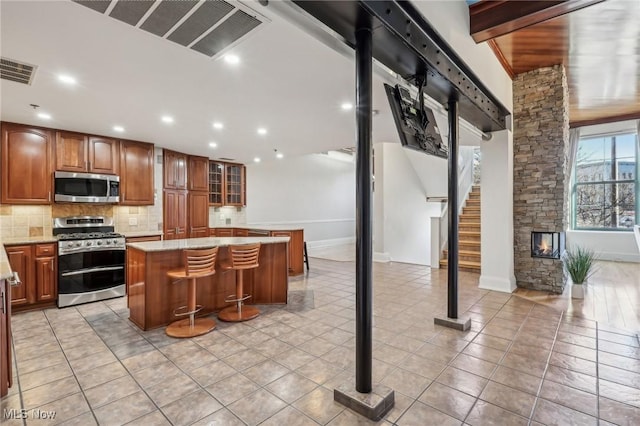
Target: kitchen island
152, 296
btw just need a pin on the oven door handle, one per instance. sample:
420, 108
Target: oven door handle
87, 271
65, 251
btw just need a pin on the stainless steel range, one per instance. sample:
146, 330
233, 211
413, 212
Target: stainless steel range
90, 260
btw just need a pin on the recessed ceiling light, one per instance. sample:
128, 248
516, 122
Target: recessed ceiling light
231, 59
346, 106
256, 160
66, 79
44, 116
262, 131
213, 144
119, 129
279, 155
167, 119
218, 125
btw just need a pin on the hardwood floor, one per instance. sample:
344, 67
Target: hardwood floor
612, 296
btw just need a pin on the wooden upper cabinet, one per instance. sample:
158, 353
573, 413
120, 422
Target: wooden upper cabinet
71, 152
198, 174
175, 170
136, 173
103, 155
26, 165
216, 183
76, 152
235, 185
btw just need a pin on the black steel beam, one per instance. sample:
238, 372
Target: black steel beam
452, 252
405, 42
364, 205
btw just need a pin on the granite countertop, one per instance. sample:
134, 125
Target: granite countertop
5, 268
12, 241
264, 227
198, 243
141, 233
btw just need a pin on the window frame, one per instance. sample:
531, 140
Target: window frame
635, 181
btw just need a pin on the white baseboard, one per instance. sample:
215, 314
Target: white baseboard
331, 243
503, 285
381, 257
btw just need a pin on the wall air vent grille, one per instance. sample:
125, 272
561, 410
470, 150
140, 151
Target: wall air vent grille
209, 27
17, 71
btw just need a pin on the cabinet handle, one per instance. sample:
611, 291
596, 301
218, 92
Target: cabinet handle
14, 280
51, 266
3, 308
49, 196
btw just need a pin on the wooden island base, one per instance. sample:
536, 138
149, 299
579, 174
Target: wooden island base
153, 296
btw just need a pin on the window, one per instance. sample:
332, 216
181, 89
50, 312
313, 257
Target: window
605, 192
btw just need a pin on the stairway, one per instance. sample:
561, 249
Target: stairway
469, 235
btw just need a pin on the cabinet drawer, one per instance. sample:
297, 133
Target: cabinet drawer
45, 250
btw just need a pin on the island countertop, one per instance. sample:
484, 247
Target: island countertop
201, 243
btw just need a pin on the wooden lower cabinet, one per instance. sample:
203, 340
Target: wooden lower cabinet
5, 338
37, 268
295, 251
225, 232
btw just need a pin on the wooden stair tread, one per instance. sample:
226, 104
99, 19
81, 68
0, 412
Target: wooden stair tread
464, 263
464, 252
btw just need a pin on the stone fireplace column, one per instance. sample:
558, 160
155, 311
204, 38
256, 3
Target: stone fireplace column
540, 183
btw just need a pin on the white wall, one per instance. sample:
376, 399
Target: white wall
312, 191
451, 20
401, 215
496, 217
608, 245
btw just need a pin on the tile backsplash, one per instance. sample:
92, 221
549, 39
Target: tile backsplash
36, 221
225, 216
25, 221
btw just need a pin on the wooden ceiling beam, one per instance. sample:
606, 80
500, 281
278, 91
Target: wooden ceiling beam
489, 19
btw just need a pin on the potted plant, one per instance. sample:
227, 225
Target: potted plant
578, 263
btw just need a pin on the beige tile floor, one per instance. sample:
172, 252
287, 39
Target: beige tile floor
521, 363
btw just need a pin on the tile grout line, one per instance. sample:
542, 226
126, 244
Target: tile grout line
546, 368
125, 368
70, 368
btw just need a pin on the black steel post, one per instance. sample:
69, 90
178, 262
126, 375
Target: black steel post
452, 254
364, 150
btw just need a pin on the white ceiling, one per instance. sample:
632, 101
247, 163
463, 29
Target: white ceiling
286, 81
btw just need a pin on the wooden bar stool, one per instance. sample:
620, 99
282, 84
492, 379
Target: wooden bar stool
197, 264
242, 257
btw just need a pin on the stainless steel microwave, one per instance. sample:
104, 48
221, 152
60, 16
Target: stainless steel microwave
86, 188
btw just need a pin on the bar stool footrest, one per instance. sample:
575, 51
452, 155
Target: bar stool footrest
233, 298
181, 311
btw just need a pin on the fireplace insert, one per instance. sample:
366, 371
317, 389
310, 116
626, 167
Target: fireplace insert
547, 245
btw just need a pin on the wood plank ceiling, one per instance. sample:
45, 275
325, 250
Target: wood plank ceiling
597, 41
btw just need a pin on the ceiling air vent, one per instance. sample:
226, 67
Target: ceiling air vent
209, 27
13, 70
226, 159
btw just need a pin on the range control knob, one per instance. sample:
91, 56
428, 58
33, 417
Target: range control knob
89, 243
